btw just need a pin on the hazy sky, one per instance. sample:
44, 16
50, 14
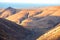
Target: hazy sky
33, 1
28, 3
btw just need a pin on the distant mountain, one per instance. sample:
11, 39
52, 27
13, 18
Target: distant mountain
7, 12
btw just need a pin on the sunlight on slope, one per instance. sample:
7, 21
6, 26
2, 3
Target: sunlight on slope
17, 16
24, 23
47, 11
1, 9
33, 12
53, 34
57, 13
5, 14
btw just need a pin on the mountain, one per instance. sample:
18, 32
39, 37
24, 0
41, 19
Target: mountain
39, 20
7, 12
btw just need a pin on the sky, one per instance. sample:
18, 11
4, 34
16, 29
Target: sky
27, 3
33, 1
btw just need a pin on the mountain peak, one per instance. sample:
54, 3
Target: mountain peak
9, 8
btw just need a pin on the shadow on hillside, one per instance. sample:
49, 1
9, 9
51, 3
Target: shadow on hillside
49, 22
12, 31
45, 24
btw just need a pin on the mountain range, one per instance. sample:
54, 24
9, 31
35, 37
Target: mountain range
39, 20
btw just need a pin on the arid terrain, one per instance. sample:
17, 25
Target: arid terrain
39, 23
